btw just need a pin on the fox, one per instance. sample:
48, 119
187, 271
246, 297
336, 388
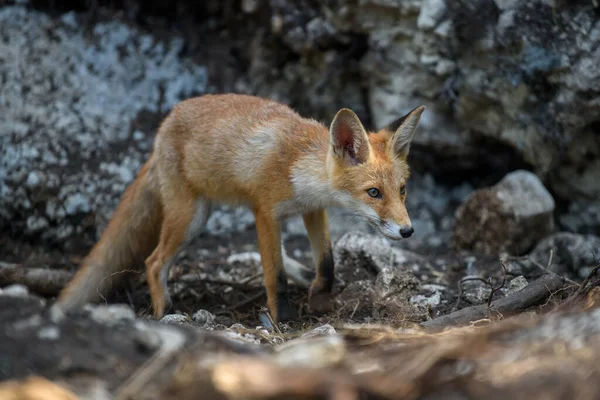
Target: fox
255, 152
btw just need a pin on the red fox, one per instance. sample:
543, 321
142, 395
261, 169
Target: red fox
245, 150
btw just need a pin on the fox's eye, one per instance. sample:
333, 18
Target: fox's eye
402, 190
374, 192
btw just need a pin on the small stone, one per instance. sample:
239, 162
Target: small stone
431, 295
249, 257
312, 353
76, 203
432, 11
36, 224
444, 29
476, 292
33, 179
139, 135
112, 314
323, 330
516, 285
48, 333
147, 340
249, 6
15, 290
445, 67
203, 317
175, 319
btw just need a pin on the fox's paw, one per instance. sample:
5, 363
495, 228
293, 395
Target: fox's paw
283, 310
320, 300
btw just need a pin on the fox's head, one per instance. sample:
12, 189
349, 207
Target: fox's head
371, 169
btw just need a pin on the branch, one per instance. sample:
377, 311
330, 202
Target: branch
533, 294
40, 280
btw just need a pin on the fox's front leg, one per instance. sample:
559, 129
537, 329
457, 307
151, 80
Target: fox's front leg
319, 297
269, 243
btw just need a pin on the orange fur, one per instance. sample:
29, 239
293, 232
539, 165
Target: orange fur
245, 150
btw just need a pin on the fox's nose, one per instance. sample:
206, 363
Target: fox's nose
406, 232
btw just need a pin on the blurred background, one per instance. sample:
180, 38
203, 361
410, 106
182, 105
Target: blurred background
508, 85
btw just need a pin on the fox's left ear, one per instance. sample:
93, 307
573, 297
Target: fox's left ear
348, 137
403, 130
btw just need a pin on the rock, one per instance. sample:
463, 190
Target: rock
249, 6
430, 296
394, 287
240, 333
572, 254
361, 254
582, 216
71, 95
311, 353
247, 258
516, 284
15, 290
510, 216
111, 314
476, 292
175, 319
49, 333
203, 317
323, 330
431, 13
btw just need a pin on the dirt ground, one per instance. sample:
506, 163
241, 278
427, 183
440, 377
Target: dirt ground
549, 348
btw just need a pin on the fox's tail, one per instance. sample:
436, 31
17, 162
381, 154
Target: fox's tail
127, 241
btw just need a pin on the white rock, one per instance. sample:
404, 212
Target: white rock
48, 333
15, 290
175, 319
313, 353
517, 284
323, 330
203, 317
432, 11
111, 314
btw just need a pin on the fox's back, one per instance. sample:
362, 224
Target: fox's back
236, 147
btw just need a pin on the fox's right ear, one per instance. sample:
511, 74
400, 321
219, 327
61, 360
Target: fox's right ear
348, 137
403, 130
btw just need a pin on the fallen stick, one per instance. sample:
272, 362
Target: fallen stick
533, 294
40, 280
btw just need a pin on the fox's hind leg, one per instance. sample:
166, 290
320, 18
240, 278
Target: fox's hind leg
184, 218
317, 227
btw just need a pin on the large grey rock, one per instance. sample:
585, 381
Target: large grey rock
511, 216
79, 111
358, 254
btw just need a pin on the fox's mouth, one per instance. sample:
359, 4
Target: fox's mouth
386, 230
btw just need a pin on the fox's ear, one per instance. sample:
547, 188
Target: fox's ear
403, 130
348, 137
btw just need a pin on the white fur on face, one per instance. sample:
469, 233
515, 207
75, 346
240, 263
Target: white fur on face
390, 229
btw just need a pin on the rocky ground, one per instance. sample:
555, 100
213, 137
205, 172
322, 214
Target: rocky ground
495, 294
